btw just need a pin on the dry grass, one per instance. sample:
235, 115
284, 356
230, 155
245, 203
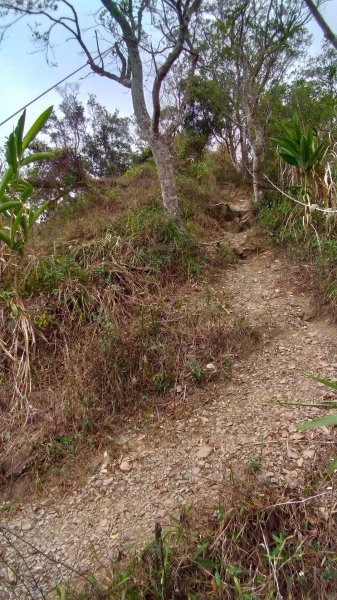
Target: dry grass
108, 322
259, 544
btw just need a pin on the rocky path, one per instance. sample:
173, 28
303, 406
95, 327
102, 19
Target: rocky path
171, 462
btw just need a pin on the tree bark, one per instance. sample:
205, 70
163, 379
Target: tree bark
244, 151
257, 153
327, 31
164, 163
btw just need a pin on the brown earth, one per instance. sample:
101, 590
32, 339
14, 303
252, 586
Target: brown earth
184, 454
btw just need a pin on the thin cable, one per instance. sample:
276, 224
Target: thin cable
102, 55
43, 94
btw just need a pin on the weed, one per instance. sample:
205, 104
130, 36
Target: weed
254, 465
196, 371
108, 318
258, 549
316, 244
330, 419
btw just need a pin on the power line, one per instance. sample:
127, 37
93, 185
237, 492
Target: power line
43, 94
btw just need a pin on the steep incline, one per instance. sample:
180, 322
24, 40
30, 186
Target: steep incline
184, 454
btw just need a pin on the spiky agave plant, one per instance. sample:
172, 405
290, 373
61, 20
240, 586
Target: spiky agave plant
17, 214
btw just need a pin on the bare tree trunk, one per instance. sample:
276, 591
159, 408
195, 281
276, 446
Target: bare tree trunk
257, 152
164, 164
243, 146
232, 149
244, 151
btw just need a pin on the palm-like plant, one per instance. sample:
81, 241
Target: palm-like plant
301, 149
17, 215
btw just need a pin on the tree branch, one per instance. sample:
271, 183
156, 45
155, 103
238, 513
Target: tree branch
328, 33
184, 17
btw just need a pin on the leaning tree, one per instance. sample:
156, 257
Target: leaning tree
325, 27
135, 43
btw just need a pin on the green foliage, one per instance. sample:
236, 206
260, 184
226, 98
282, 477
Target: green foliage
232, 555
330, 419
107, 149
159, 244
17, 216
317, 244
205, 116
90, 135
300, 149
62, 446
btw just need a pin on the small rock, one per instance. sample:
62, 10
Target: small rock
11, 576
296, 436
292, 454
204, 451
103, 524
125, 466
300, 462
324, 513
265, 479
26, 526
308, 453
210, 366
107, 482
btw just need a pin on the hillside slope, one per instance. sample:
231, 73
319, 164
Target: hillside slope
184, 454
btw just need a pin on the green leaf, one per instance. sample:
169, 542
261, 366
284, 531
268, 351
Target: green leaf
36, 127
304, 151
329, 404
5, 181
8, 205
200, 550
5, 238
33, 217
206, 563
26, 192
330, 574
24, 227
11, 156
285, 129
289, 158
320, 379
237, 585
297, 129
319, 152
286, 144
37, 156
15, 224
18, 247
327, 420
18, 133
217, 578
310, 139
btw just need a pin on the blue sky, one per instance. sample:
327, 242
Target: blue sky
25, 73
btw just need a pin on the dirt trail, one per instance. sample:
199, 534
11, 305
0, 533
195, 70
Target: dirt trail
167, 463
